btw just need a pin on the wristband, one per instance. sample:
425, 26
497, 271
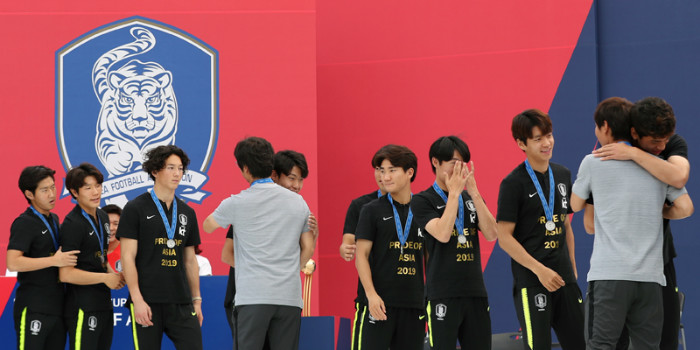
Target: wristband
196, 298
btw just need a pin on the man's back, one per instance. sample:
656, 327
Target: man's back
628, 220
267, 223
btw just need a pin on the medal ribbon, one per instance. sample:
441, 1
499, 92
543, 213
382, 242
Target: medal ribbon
548, 208
400, 231
261, 181
459, 222
100, 238
51, 231
169, 228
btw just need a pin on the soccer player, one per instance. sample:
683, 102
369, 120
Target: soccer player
290, 170
88, 296
158, 232
347, 246
114, 252
626, 272
458, 305
389, 259
271, 242
33, 252
535, 230
664, 154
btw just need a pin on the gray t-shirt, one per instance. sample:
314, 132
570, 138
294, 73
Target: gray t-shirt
268, 221
628, 219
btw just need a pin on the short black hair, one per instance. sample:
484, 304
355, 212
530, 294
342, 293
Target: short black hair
75, 178
31, 176
444, 148
653, 116
522, 125
616, 112
285, 161
257, 154
398, 156
112, 209
156, 157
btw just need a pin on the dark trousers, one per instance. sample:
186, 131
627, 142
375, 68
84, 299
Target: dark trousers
90, 330
610, 305
252, 324
177, 321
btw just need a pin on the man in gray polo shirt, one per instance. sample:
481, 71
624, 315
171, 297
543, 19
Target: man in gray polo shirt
271, 240
626, 271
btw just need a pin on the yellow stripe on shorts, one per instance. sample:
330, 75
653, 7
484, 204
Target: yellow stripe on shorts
23, 329
79, 329
430, 325
526, 315
133, 328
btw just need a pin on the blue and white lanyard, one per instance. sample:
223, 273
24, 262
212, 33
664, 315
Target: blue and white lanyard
169, 228
548, 207
261, 181
400, 231
459, 222
51, 231
99, 234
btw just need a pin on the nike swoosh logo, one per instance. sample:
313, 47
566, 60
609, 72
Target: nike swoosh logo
194, 313
440, 206
91, 232
149, 217
421, 317
533, 194
385, 219
43, 232
580, 300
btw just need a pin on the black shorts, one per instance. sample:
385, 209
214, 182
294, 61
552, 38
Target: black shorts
90, 330
178, 321
539, 311
464, 319
404, 329
39, 331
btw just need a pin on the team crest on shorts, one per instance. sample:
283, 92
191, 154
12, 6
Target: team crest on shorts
35, 327
540, 301
440, 311
127, 87
92, 323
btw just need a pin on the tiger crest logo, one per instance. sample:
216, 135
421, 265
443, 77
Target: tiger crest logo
122, 78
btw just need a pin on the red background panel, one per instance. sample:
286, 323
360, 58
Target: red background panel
408, 73
267, 87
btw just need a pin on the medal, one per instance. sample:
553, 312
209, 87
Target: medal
400, 231
169, 228
548, 207
99, 234
550, 226
46, 223
459, 221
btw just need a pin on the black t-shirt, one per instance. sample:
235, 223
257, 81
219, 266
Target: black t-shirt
353, 214
231, 284
397, 278
676, 146
162, 275
78, 234
351, 219
452, 269
518, 202
39, 290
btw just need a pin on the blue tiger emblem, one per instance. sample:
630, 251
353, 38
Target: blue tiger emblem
139, 108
